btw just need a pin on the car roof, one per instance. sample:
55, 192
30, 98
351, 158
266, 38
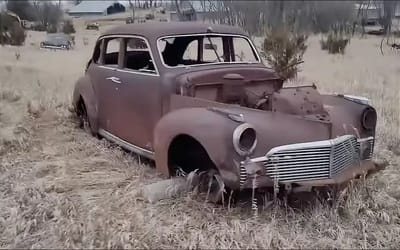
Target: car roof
154, 30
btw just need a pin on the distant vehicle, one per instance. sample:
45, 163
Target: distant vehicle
92, 26
149, 16
27, 24
129, 20
379, 32
58, 41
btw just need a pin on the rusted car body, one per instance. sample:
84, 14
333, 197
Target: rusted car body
219, 107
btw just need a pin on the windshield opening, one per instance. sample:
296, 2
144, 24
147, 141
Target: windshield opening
205, 49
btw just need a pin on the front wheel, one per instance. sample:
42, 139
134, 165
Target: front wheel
210, 183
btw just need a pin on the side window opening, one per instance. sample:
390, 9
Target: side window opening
111, 51
243, 52
138, 56
96, 52
213, 46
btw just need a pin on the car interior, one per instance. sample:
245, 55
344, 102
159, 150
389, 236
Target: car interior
137, 56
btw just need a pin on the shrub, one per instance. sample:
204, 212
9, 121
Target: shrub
284, 50
334, 44
330, 13
11, 31
51, 29
336, 40
17, 35
68, 27
38, 27
149, 16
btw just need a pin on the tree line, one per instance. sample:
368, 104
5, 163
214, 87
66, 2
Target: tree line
45, 12
314, 16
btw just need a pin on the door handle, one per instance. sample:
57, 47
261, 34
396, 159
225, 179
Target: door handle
114, 79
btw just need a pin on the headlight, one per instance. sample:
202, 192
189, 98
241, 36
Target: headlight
244, 139
368, 118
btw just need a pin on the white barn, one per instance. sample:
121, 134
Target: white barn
100, 8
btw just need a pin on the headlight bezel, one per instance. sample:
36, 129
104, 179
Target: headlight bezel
369, 118
240, 144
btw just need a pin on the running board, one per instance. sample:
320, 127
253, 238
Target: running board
138, 150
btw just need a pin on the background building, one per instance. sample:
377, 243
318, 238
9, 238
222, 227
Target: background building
100, 8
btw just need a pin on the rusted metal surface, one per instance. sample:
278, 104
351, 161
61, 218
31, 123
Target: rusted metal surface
238, 114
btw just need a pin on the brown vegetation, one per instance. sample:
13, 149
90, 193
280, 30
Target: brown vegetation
60, 188
334, 44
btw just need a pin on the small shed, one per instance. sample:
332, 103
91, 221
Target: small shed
99, 8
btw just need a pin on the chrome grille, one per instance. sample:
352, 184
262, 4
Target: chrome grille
300, 164
367, 148
345, 153
316, 160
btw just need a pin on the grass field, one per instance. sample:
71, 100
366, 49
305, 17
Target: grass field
60, 188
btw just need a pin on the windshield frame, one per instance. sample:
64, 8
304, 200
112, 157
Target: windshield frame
258, 58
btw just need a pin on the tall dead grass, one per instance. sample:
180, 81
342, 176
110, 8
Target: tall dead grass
60, 188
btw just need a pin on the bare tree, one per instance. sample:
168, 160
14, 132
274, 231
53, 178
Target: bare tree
133, 10
23, 8
47, 13
389, 8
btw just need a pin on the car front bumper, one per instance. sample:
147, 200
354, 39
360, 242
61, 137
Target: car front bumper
60, 47
364, 168
302, 166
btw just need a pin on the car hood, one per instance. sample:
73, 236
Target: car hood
277, 129
216, 74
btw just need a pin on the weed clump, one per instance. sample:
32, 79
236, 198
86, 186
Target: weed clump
337, 40
68, 27
17, 35
284, 50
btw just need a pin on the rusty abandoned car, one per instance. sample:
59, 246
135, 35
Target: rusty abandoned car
197, 96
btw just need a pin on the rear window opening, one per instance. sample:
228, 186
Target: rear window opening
206, 49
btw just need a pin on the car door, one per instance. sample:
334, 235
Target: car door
140, 101
104, 75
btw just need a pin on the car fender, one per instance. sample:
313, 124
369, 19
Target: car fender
346, 115
84, 89
212, 130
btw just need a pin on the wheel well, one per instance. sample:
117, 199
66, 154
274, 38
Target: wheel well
187, 153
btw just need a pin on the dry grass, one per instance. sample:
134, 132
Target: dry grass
60, 188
